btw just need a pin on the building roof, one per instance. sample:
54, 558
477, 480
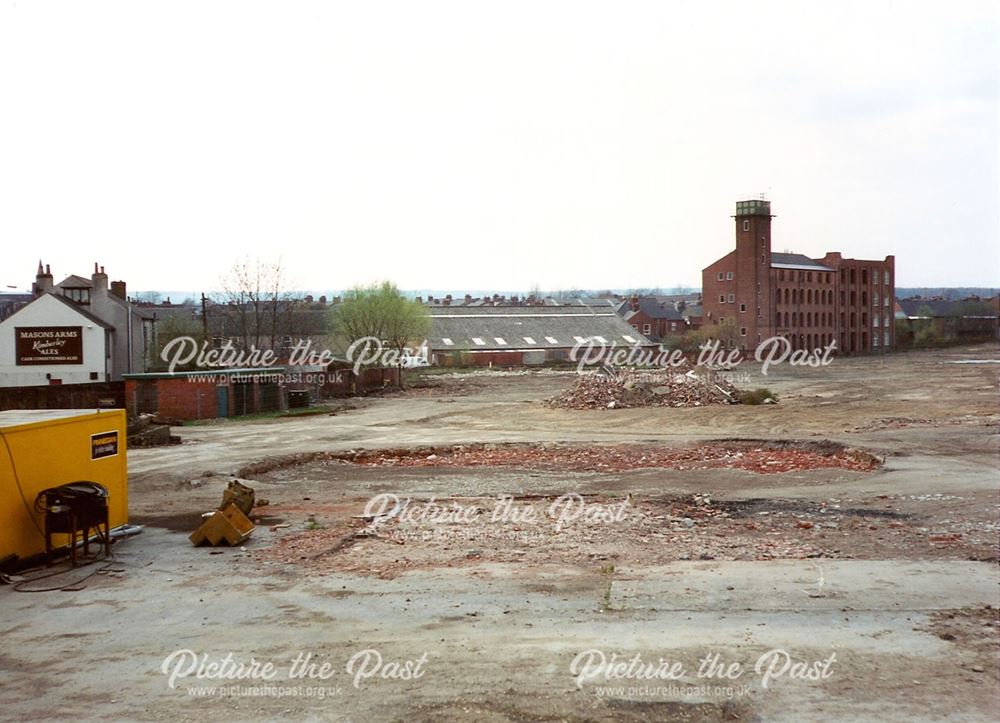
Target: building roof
692, 311
527, 328
652, 308
796, 261
75, 282
208, 372
937, 308
62, 300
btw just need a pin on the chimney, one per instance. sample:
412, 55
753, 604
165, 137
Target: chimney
100, 284
118, 289
468, 298
322, 300
43, 280
634, 302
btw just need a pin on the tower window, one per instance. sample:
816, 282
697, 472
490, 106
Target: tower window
746, 225
732, 298
743, 331
743, 307
721, 276
729, 276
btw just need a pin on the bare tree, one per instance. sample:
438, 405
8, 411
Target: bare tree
253, 294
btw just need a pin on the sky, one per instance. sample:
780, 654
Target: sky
515, 145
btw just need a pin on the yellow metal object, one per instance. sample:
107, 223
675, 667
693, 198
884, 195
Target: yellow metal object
227, 525
51, 447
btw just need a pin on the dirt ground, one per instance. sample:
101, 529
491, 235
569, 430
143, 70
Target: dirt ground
492, 550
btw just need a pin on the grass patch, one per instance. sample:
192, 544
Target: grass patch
757, 396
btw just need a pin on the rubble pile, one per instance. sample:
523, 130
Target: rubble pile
761, 458
677, 387
649, 531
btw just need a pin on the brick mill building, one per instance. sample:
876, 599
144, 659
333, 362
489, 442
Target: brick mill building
810, 302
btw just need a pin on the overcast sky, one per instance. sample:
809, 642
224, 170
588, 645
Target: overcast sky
494, 146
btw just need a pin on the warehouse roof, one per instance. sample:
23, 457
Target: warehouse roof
525, 328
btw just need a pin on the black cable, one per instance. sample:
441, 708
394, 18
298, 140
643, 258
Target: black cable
18, 586
17, 481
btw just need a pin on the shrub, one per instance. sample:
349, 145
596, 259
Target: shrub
757, 396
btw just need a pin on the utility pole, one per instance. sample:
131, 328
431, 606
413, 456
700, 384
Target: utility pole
204, 315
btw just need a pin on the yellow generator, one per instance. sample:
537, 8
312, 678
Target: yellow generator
45, 448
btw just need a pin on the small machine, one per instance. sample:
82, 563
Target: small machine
74, 509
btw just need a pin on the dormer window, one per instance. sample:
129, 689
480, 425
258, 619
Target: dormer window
80, 296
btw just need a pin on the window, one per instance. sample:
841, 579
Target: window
80, 296
746, 225
743, 331
732, 298
875, 299
447, 342
743, 307
477, 341
885, 321
645, 328
885, 339
885, 300
729, 276
809, 277
721, 276
551, 340
673, 326
875, 320
500, 340
885, 278
528, 340
722, 298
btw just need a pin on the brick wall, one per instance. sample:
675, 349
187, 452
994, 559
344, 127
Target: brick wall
63, 396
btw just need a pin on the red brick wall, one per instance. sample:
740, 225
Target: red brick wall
805, 306
715, 292
185, 399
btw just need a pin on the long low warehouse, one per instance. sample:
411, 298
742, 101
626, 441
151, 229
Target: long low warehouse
531, 335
